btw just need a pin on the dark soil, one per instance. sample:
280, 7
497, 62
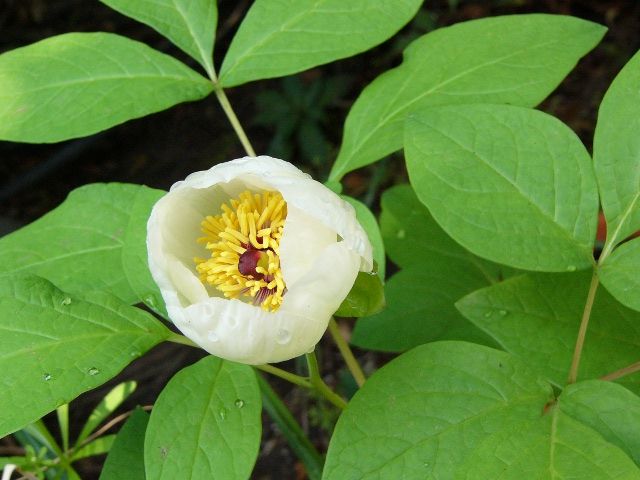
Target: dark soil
163, 148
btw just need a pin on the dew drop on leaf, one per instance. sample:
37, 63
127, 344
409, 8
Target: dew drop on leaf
93, 371
488, 314
46, 377
401, 234
150, 300
239, 403
223, 413
502, 313
66, 301
571, 268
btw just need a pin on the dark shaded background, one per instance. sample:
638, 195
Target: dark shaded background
299, 119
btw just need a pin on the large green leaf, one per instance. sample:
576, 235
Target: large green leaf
77, 84
609, 409
420, 307
515, 59
411, 236
511, 184
620, 273
616, 153
56, 346
95, 240
536, 317
452, 410
288, 36
190, 24
436, 273
126, 458
206, 421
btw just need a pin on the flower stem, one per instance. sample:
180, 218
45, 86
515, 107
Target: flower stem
628, 370
319, 385
347, 354
181, 339
233, 119
582, 332
289, 377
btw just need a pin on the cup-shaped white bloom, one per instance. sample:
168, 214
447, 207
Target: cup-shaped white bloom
320, 249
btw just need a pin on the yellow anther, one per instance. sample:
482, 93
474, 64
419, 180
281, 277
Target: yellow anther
249, 222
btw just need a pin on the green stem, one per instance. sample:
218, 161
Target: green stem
628, 370
319, 385
347, 354
233, 119
181, 339
291, 430
582, 332
289, 377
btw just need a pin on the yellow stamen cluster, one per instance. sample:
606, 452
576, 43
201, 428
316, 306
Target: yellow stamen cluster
252, 222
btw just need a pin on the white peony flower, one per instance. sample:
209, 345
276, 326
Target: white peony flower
252, 258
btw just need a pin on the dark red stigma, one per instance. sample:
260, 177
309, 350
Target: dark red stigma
248, 262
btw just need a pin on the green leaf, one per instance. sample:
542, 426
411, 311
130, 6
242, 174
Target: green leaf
99, 446
515, 59
511, 184
436, 273
19, 461
190, 24
94, 241
106, 407
370, 225
420, 307
56, 346
207, 419
452, 410
616, 154
126, 457
620, 273
553, 446
536, 317
609, 409
411, 236
77, 84
366, 297
280, 38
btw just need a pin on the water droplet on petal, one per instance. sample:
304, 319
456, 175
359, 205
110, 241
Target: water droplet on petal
93, 371
46, 377
401, 234
239, 403
223, 414
571, 268
212, 336
283, 336
66, 301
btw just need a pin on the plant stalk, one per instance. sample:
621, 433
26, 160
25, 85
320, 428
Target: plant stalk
319, 385
582, 332
289, 377
628, 370
347, 354
231, 116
